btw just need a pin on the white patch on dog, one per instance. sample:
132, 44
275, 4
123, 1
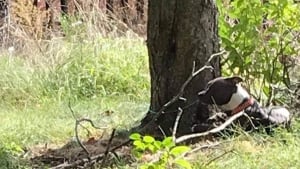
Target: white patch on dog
236, 99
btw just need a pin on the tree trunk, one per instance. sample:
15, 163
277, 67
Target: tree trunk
179, 33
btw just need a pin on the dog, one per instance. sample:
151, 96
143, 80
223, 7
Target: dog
228, 95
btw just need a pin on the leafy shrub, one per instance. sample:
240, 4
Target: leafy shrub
164, 154
262, 39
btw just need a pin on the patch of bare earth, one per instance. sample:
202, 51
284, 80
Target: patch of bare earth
72, 155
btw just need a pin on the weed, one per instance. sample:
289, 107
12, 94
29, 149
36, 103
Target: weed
159, 154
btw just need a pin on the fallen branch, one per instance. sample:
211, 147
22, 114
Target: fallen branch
212, 131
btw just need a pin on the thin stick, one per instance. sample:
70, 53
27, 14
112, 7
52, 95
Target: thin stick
83, 119
217, 157
91, 122
215, 54
78, 123
250, 120
79, 141
214, 130
179, 114
162, 131
205, 146
193, 74
200, 148
107, 148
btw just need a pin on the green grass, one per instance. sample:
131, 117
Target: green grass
255, 150
106, 74
35, 89
97, 75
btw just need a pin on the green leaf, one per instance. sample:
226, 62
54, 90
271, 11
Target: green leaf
151, 147
148, 139
178, 150
266, 90
135, 136
139, 145
157, 144
183, 163
149, 166
168, 142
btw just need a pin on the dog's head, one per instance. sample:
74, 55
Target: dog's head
225, 92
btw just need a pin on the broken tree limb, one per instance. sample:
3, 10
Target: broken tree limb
212, 131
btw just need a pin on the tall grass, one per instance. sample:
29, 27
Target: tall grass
80, 72
99, 65
93, 71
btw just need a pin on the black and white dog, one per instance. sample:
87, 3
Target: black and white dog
228, 94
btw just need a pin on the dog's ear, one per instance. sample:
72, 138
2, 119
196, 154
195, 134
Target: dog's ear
234, 80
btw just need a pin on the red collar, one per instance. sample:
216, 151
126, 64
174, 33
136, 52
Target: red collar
243, 106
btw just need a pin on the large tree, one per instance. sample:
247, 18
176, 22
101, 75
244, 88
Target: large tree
179, 33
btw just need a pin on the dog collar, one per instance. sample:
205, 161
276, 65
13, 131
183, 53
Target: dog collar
243, 106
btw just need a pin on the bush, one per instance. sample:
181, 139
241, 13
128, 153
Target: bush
262, 39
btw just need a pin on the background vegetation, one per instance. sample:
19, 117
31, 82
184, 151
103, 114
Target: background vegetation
101, 67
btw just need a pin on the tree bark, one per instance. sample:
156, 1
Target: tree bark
179, 33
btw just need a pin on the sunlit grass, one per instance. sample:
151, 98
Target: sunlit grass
254, 150
94, 76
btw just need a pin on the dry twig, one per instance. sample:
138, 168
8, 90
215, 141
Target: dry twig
77, 123
79, 141
206, 146
176, 123
108, 147
212, 131
217, 157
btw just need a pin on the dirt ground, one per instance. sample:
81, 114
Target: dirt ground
72, 153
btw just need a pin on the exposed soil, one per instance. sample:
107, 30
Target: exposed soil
51, 155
